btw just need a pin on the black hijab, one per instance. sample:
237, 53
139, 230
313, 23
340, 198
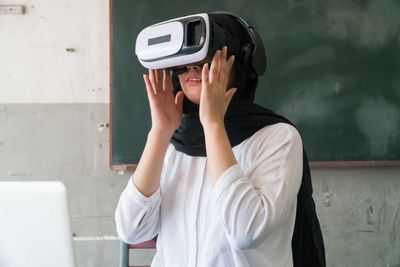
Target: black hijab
242, 119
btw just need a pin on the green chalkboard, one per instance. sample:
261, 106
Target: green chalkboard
333, 69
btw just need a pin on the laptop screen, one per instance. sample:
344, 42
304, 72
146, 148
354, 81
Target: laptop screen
35, 225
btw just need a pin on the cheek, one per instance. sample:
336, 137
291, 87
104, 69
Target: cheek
182, 79
182, 83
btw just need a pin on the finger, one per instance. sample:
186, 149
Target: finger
222, 62
152, 79
215, 67
205, 77
223, 56
167, 81
149, 87
157, 75
229, 95
227, 69
179, 101
230, 61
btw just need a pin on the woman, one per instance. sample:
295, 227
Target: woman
221, 180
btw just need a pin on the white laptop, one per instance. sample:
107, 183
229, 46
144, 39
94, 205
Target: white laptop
35, 228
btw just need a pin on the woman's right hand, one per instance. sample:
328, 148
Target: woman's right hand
166, 109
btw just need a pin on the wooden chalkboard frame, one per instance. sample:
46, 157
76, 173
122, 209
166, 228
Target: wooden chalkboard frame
313, 164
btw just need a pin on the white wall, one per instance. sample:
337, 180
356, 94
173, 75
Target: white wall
51, 103
35, 66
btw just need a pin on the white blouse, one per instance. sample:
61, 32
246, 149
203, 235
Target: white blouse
247, 219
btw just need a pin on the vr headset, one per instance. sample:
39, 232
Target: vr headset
194, 39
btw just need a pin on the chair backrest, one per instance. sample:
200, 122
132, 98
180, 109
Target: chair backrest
124, 251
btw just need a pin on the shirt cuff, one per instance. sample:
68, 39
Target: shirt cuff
134, 194
228, 177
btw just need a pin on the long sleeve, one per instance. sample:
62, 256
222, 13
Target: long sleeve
137, 217
252, 203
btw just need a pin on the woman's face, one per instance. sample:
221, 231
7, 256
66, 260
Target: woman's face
191, 82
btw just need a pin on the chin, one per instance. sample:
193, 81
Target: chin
193, 96
195, 100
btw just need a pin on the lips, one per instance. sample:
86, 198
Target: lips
193, 79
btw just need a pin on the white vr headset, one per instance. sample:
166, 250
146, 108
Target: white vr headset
194, 39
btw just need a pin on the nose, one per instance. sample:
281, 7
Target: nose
193, 67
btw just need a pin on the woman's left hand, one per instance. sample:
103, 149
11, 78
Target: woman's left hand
214, 99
